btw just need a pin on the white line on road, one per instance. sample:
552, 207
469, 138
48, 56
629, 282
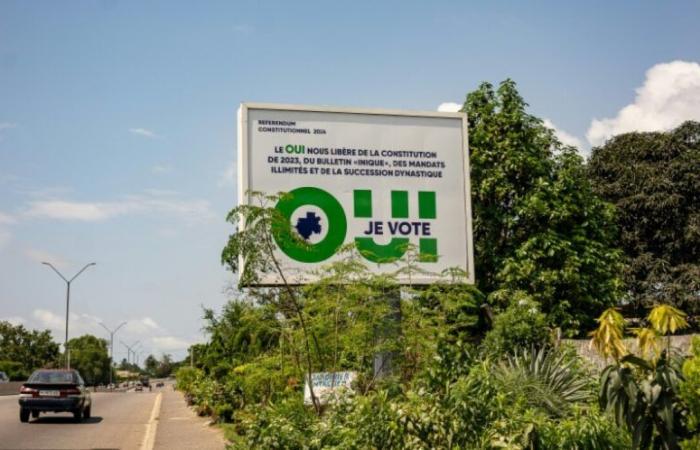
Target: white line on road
149, 439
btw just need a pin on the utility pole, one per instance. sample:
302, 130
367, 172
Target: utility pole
68, 282
111, 347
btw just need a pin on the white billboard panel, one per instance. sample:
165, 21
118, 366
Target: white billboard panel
381, 179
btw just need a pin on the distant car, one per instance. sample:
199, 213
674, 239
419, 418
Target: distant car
160, 384
4, 378
139, 387
54, 390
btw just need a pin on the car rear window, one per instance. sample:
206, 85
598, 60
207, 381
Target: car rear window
52, 376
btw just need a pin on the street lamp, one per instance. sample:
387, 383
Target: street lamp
129, 350
68, 282
111, 347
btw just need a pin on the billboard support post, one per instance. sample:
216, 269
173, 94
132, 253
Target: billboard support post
384, 361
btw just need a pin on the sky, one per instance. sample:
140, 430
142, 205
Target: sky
118, 122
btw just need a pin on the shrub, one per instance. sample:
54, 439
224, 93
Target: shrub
185, 377
545, 379
690, 394
521, 325
285, 425
588, 429
14, 370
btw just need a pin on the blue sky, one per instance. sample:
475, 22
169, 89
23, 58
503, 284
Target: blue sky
118, 133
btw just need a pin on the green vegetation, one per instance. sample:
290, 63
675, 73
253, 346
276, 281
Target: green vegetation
643, 392
653, 179
22, 350
159, 368
470, 366
539, 230
89, 356
690, 394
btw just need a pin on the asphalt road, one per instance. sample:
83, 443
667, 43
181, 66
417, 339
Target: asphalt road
119, 421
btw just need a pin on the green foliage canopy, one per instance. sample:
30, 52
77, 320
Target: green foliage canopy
653, 179
22, 351
89, 356
538, 226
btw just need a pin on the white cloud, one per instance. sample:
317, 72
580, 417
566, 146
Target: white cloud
449, 107
564, 137
670, 95
5, 234
69, 210
144, 132
79, 325
48, 319
169, 343
151, 337
14, 320
160, 192
6, 219
228, 177
5, 237
41, 256
161, 169
168, 233
149, 202
141, 326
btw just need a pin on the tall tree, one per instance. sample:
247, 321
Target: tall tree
538, 226
150, 365
90, 357
654, 181
165, 366
30, 349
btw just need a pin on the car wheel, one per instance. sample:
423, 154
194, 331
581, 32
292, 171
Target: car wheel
87, 412
24, 415
77, 415
35, 414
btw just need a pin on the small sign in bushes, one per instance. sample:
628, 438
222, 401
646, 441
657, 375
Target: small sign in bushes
327, 384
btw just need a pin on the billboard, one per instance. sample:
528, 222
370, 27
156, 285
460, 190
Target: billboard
384, 180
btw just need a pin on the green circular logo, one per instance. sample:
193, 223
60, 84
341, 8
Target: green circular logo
292, 245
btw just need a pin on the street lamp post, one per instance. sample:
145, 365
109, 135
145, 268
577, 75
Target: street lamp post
68, 282
129, 350
111, 347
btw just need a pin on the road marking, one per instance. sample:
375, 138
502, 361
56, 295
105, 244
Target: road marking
149, 439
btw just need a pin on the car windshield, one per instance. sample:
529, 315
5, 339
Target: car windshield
52, 376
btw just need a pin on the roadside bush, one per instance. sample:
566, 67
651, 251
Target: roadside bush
264, 378
284, 425
545, 379
185, 378
521, 325
14, 370
587, 429
690, 394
